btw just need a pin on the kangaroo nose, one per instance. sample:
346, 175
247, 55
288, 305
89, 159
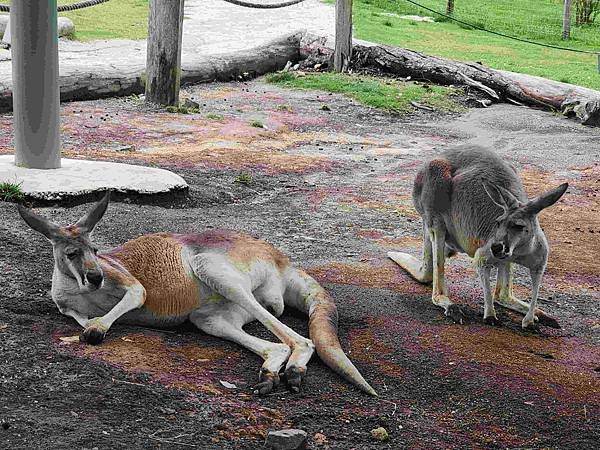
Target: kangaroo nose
497, 249
94, 277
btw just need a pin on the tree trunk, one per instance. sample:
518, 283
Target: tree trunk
163, 67
450, 7
343, 35
566, 32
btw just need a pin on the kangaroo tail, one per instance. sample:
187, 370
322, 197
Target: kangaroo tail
306, 295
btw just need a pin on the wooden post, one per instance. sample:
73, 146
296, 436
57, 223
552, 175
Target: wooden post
450, 7
36, 95
566, 31
163, 63
343, 35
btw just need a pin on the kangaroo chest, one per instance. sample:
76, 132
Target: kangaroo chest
156, 261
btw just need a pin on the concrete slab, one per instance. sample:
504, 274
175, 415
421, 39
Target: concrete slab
80, 178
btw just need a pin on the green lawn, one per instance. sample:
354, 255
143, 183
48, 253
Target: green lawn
115, 19
389, 95
539, 20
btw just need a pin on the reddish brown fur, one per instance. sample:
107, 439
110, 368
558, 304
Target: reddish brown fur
248, 249
170, 290
441, 168
72, 231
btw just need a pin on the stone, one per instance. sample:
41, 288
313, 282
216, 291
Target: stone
190, 104
288, 439
380, 434
3, 23
65, 26
81, 177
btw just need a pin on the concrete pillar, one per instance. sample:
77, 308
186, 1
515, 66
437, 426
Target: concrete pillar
36, 95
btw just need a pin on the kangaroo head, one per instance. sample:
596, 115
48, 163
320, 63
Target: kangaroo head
518, 225
74, 253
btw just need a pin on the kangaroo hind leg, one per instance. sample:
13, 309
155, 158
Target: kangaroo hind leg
227, 324
235, 286
422, 271
437, 237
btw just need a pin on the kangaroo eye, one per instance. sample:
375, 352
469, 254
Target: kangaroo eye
95, 250
71, 255
517, 226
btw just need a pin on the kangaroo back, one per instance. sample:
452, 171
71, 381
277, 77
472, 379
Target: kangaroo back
451, 187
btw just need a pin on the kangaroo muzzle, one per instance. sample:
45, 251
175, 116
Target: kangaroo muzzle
499, 250
94, 278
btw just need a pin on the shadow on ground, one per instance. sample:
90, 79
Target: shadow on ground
331, 187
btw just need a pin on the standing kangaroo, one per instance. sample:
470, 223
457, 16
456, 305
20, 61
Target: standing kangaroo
219, 280
472, 201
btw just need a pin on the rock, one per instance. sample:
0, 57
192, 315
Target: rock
288, 66
289, 439
3, 23
65, 26
380, 434
320, 439
190, 104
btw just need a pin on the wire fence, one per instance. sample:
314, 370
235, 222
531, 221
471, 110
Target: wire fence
538, 21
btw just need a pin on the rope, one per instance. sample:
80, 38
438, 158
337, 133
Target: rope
62, 8
557, 47
263, 5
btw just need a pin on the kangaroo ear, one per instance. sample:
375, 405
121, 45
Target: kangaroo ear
501, 196
548, 198
494, 194
89, 221
38, 223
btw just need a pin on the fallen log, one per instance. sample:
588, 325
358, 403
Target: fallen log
114, 75
499, 85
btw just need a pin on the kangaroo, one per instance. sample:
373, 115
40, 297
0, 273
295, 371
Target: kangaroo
218, 280
472, 201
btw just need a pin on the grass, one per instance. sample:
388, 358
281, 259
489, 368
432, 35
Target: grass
181, 109
386, 94
11, 192
244, 178
116, 19
257, 124
214, 116
539, 21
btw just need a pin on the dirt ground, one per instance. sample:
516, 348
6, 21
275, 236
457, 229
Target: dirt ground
332, 190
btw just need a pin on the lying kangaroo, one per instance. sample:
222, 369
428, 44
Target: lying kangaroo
219, 280
472, 201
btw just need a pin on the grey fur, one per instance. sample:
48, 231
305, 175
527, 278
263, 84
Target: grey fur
472, 201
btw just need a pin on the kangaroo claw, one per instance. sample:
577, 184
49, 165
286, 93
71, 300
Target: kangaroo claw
92, 336
294, 376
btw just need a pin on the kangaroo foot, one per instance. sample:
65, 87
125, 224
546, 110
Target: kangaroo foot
412, 265
294, 376
267, 382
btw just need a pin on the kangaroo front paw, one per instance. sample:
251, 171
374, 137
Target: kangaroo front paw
93, 333
294, 376
455, 313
